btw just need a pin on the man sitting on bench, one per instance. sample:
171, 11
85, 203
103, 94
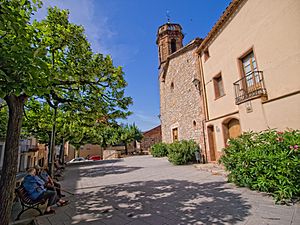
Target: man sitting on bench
34, 186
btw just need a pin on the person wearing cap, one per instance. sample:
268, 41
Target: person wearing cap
49, 182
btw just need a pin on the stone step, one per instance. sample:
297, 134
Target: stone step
215, 169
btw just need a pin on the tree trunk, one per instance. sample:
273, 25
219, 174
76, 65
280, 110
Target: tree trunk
126, 149
52, 142
10, 163
62, 152
49, 153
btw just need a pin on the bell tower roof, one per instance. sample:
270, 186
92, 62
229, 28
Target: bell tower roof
169, 28
169, 39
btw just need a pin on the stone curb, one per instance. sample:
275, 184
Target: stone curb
212, 168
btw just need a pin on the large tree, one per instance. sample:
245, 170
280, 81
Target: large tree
52, 60
22, 73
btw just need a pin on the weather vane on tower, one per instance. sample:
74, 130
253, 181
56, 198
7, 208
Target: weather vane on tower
168, 15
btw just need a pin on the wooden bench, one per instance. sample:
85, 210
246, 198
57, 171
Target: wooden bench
26, 202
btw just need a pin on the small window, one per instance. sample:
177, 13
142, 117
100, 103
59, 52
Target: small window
194, 123
218, 86
172, 86
175, 134
173, 46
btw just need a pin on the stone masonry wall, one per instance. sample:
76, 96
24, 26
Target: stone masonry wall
181, 105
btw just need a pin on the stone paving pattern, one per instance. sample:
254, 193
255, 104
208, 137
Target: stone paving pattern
142, 190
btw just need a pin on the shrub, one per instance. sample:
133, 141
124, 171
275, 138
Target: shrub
266, 161
159, 150
182, 152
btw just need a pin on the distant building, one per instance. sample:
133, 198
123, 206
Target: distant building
30, 154
248, 75
84, 151
150, 138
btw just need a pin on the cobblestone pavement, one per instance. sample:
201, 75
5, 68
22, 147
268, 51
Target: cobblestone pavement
143, 190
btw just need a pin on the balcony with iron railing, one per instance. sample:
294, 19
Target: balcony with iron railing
28, 148
249, 87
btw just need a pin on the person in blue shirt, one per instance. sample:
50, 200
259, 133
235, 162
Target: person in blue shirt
34, 186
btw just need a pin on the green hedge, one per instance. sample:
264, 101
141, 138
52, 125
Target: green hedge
179, 153
159, 150
182, 152
266, 161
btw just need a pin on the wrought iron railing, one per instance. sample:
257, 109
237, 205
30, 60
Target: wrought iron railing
28, 148
249, 87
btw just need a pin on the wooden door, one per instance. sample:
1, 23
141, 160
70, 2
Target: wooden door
234, 129
175, 134
211, 142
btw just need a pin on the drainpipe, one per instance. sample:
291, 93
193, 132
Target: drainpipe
204, 100
203, 89
204, 136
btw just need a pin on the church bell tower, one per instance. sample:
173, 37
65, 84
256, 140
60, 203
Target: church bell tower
169, 40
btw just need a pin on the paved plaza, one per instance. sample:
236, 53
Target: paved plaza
142, 190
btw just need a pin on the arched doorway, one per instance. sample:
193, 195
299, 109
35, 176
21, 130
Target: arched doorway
211, 142
231, 128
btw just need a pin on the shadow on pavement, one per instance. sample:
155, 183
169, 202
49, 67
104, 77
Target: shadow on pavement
99, 168
162, 202
103, 171
96, 162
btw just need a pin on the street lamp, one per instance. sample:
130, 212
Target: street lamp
196, 83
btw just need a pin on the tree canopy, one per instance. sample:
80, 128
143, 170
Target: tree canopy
52, 61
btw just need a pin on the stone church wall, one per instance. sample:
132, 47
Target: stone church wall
181, 104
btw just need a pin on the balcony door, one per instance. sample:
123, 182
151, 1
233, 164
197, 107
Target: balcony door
250, 72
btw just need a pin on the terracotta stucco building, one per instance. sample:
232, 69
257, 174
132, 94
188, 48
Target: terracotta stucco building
249, 65
150, 137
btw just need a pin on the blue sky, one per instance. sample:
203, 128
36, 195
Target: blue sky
126, 30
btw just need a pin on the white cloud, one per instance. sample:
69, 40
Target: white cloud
146, 118
83, 12
145, 121
98, 27
142, 120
